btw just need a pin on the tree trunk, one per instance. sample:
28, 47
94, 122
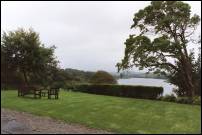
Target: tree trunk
188, 77
25, 77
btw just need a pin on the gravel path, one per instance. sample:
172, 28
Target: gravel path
13, 122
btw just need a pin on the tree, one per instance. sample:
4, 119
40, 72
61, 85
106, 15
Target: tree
197, 73
8, 75
102, 77
172, 25
24, 53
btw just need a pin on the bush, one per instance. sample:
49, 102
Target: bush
184, 100
197, 100
169, 98
102, 77
144, 92
159, 98
69, 86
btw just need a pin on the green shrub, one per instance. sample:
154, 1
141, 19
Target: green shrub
69, 86
144, 92
184, 100
169, 98
159, 97
197, 100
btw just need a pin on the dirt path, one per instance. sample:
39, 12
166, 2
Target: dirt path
13, 122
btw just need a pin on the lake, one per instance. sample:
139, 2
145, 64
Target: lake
167, 87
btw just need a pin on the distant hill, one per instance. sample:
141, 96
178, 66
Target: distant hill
79, 75
131, 74
84, 76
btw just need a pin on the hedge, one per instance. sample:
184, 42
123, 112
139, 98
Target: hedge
145, 92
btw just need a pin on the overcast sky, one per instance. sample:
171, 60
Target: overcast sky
88, 35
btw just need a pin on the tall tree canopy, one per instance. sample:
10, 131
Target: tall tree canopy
23, 53
172, 26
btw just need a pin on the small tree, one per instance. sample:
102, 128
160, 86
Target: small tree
102, 77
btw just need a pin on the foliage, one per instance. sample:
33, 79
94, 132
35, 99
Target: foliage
169, 98
183, 100
24, 54
78, 75
197, 74
176, 78
24, 59
197, 100
144, 92
102, 77
172, 26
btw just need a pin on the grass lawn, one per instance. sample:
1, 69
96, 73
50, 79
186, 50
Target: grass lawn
120, 115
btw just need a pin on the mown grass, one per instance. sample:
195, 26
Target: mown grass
119, 115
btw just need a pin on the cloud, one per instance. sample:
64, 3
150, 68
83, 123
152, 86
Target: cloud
88, 35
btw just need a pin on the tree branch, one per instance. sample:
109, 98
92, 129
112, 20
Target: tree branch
165, 63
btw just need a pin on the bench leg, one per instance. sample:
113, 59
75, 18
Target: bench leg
39, 94
20, 93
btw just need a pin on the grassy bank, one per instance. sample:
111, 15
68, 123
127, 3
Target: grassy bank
120, 115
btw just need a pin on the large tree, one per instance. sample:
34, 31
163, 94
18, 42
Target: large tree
165, 30
23, 53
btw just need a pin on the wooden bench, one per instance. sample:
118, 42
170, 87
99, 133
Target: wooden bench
54, 92
44, 93
25, 90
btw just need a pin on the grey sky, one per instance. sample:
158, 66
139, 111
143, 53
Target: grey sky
88, 35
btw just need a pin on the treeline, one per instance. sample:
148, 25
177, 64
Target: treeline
124, 75
78, 75
26, 61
